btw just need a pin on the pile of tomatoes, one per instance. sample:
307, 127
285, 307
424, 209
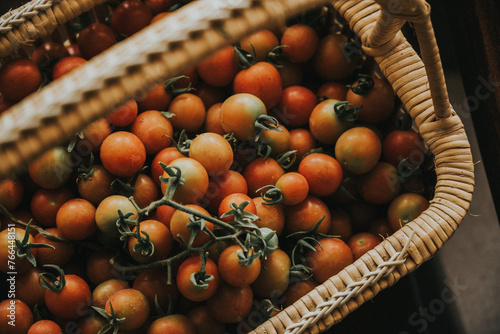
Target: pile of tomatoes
216, 198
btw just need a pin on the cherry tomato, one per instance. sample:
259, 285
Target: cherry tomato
329, 120
341, 224
362, 242
235, 273
166, 155
60, 255
32, 292
259, 43
294, 188
213, 121
237, 199
297, 290
402, 145
75, 219
153, 283
273, 278
129, 17
45, 326
220, 68
11, 193
322, 172
159, 236
380, 185
52, 169
174, 323
66, 65
95, 185
238, 115
145, 191
195, 181
270, 216
98, 268
213, 151
158, 6
104, 290
203, 322
301, 141
230, 304
19, 78
328, 259
290, 73
106, 213
296, 105
381, 228
223, 185
188, 112
154, 130
10, 261
306, 214
211, 95
48, 50
262, 80
14, 311
93, 136
132, 306
300, 41
157, 98
277, 141
358, 150
404, 208
262, 172
72, 301
94, 39
179, 226
122, 153
332, 90
188, 271
124, 115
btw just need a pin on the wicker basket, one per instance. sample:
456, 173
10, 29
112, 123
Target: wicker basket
174, 44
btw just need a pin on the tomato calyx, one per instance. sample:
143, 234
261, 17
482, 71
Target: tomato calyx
264, 239
363, 85
200, 279
346, 112
86, 172
272, 196
197, 225
50, 281
113, 321
126, 188
174, 91
241, 218
24, 246
287, 159
174, 180
276, 56
244, 58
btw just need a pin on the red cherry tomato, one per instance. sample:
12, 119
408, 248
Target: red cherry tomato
19, 78
14, 311
94, 39
328, 121
329, 259
45, 326
380, 185
72, 301
188, 112
306, 214
192, 266
296, 105
174, 323
362, 242
129, 17
195, 181
294, 188
213, 151
220, 68
322, 172
132, 306
270, 216
157, 98
238, 115
123, 154
237, 199
262, 172
154, 130
159, 236
66, 65
60, 255
11, 193
75, 219
358, 150
404, 208
401, 145
48, 50
300, 41
259, 43
124, 115
95, 185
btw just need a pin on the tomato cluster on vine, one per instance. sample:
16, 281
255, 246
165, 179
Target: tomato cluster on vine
214, 199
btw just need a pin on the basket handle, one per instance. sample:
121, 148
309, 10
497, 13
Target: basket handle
384, 35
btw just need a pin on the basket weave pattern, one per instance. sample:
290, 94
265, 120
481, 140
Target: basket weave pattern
172, 45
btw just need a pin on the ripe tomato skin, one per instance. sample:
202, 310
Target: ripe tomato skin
130, 304
378, 102
179, 228
212, 121
153, 284
238, 114
21, 264
290, 73
403, 144
19, 78
192, 265
333, 90
218, 69
72, 302
203, 322
196, 181
11, 193
158, 6
234, 273
324, 123
96, 186
404, 208
129, 17
303, 216
94, 39
230, 304
156, 98
358, 150
93, 136
32, 292
302, 141
60, 255
294, 188
273, 278
262, 80
270, 216
66, 65
52, 169
104, 290
166, 155
213, 151
75, 219
322, 172
106, 213
145, 191
188, 112
329, 259
124, 114
296, 105
50, 50
301, 42
330, 61
362, 242
223, 185
22, 315
45, 326
123, 154
159, 236
341, 224
381, 228
98, 269
297, 290
380, 185
236, 198
262, 172
262, 41
277, 141
174, 324
154, 130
